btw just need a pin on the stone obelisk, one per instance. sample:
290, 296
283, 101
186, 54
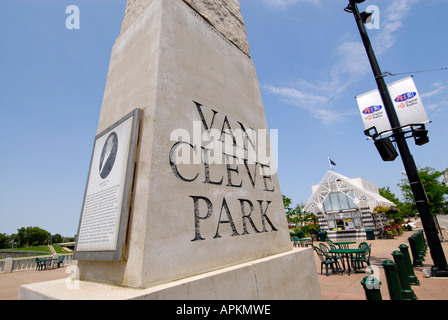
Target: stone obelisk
206, 219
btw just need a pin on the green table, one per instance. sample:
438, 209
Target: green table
344, 244
348, 254
301, 241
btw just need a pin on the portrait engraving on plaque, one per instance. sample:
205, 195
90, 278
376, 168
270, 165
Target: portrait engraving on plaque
105, 210
108, 155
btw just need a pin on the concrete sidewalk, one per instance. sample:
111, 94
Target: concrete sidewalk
11, 282
333, 287
348, 287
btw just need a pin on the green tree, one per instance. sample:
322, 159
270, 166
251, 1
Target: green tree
32, 236
436, 190
57, 238
386, 193
294, 216
4, 241
402, 209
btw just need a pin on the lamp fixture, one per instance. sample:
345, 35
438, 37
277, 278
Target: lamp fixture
420, 134
349, 8
366, 17
371, 132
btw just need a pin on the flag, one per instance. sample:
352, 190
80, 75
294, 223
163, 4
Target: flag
331, 163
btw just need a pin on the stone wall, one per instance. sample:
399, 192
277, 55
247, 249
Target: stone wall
224, 15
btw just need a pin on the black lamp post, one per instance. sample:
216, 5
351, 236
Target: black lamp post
440, 267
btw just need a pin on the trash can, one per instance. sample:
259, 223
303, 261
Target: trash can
323, 235
299, 234
370, 234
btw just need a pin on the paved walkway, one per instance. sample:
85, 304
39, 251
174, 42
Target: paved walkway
348, 287
11, 282
333, 287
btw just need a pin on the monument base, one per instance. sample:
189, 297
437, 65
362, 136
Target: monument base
287, 276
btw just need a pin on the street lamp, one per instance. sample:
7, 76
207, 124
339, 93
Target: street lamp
440, 267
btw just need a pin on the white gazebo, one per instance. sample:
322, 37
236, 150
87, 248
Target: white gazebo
345, 207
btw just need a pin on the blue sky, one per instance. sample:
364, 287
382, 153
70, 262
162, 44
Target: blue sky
310, 63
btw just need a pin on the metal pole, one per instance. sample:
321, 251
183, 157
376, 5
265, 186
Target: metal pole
440, 267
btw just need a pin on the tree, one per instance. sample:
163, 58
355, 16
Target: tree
386, 193
294, 216
57, 238
32, 236
401, 209
436, 190
4, 241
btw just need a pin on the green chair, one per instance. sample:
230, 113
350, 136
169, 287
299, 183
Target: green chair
40, 264
331, 256
325, 261
60, 261
331, 244
364, 257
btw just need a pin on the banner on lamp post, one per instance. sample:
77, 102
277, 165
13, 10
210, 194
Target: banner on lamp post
407, 104
373, 112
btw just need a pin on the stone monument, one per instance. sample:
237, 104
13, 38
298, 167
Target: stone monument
204, 217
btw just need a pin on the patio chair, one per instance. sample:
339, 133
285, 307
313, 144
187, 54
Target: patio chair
331, 244
40, 264
325, 261
363, 257
60, 261
331, 256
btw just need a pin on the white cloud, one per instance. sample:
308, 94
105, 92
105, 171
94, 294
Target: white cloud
391, 23
315, 103
296, 96
318, 97
440, 87
436, 107
286, 3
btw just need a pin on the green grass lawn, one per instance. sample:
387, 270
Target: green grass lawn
38, 250
30, 249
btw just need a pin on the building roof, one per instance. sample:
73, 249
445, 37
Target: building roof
364, 190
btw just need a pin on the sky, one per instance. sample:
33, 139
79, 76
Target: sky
310, 64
